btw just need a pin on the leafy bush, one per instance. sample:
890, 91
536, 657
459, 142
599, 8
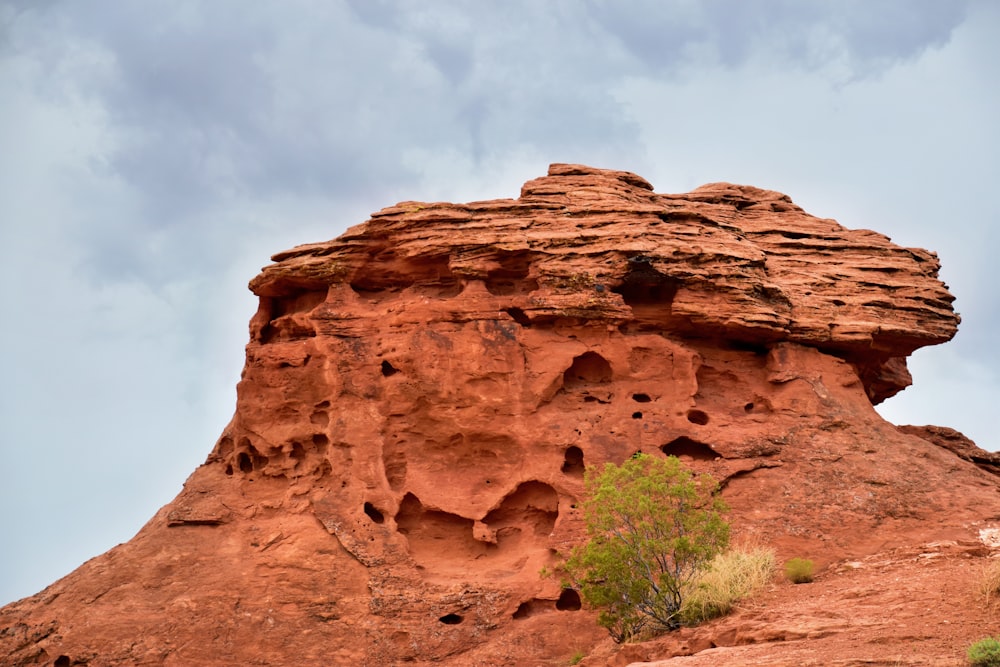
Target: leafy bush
985, 653
653, 527
799, 570
730, 577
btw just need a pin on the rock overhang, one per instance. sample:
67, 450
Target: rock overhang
729, 262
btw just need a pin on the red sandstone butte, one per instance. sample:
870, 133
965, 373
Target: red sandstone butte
422, 395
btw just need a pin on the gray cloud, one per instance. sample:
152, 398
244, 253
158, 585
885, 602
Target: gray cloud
867, 36
218, 98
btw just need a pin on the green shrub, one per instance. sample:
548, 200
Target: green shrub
653, 527
577, 657
799, 570
985, 653
730, 577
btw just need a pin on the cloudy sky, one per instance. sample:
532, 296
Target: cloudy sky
154, 154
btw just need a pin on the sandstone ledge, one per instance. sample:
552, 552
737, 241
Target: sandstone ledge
733, 262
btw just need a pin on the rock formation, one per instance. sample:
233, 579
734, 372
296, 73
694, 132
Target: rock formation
422, 395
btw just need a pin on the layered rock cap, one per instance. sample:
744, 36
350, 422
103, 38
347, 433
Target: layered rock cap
734, 262
422, 395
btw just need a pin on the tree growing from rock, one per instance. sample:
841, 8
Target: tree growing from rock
652, 527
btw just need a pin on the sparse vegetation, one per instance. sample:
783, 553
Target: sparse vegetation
730, 577
799, 570
577, 657
985, 653
989, 580
653, 528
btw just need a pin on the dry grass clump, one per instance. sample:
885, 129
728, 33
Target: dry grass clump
989, 581
731, 576
799, 570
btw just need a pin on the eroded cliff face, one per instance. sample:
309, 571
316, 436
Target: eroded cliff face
422, 395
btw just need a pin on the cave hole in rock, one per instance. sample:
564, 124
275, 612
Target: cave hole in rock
437, 538
62, 661
532, 607
388, 370
286, 330
587, 369
523, 610
451, 619
320, 441
641, 398
249, 459
301, 300
794, 235
519, 316
685, 447
297, 452
758, 349
636, 415
511, 275
642, 294
748, 407
408, 516
530, 511
644, 285
279, 311
698, 417
569, 600
374, 514
573, 461
501, 287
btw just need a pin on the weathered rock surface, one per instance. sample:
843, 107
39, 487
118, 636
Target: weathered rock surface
955, 442
422, 395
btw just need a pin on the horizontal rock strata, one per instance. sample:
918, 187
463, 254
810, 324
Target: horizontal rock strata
733, 262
